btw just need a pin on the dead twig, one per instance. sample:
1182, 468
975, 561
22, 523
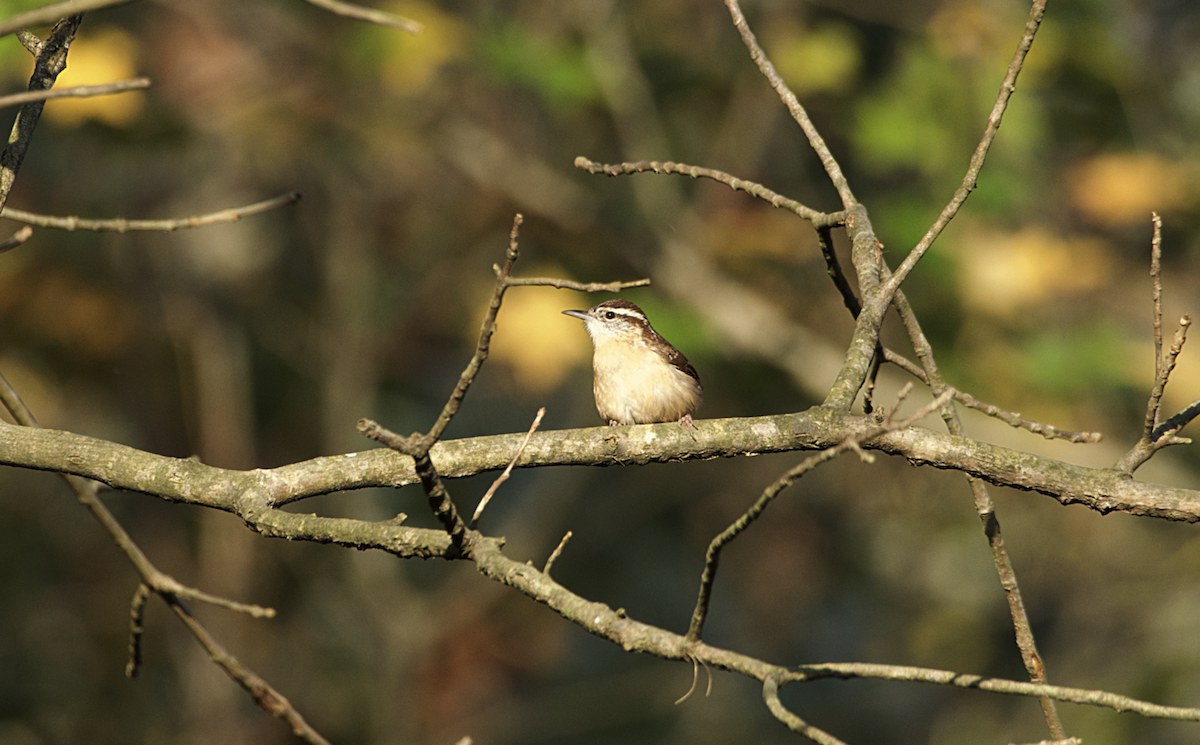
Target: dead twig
1155, 437
733, 182
713, 556
418, 445
567, 284
78, 91
349, 10
487, 497
124, 225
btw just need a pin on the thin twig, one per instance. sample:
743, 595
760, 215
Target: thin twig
557, 552
349, 10
137, 616
986, 509
1160, 437
78, 91
265, 696
970, 180
51, 13
170, 592
1155, 437
418, 445
487, 497
1010, 418
124, 225
487, 328
713, 556
1156, 298
567, 284
1104, 699
793, 105
16, 239
793, 722
733, 182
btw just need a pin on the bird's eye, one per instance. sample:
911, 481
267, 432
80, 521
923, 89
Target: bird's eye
610, 314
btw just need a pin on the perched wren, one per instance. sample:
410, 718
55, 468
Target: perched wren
639, 377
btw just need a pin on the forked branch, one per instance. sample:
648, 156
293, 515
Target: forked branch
1155, 437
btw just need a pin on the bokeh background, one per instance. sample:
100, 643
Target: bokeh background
262, 343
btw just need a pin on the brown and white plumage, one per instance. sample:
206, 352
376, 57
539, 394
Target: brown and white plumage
639, 377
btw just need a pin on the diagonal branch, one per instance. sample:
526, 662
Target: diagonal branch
171, 592
370, 15
49, 61
971, 179
770, 693
418, 445
713, 557
793, 105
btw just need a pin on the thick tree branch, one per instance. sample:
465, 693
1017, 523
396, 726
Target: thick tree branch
187, 481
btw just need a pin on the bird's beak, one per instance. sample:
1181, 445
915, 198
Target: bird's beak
580, 314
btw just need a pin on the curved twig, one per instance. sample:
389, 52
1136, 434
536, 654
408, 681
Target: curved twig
124, 225
820, 219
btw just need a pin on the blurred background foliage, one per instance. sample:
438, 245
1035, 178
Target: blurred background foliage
263, 342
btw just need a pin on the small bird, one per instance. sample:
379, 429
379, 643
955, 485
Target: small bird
639, 377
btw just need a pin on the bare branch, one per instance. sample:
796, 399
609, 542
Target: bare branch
137, 614
793, 722
265, 696
16, 239
557, 552
417, 446
713, 557
349, 10
970, 180
733, 182
1154, 437
78, 91
51, 13
123, 225
793, 105
567, 284
169, 591
485, 337
1104, 699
